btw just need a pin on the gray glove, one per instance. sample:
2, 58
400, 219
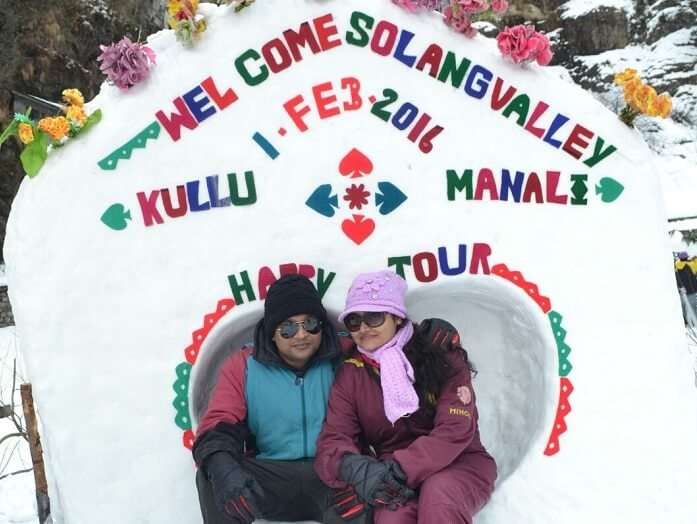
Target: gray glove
377, 483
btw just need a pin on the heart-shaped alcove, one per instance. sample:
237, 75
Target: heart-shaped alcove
505, 336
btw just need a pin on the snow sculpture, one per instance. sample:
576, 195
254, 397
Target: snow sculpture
340, 137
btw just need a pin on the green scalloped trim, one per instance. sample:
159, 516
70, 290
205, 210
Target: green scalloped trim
152, 132
181, 401
563, 348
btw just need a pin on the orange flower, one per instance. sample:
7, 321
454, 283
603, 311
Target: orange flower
76, 115
644, 98
625, 76
73, 97
630, 88
663, 105
26, 133
55, 127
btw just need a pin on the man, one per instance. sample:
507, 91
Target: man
256, 442
272, 399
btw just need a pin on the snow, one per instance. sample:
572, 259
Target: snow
576, 8
105, 324
17, 495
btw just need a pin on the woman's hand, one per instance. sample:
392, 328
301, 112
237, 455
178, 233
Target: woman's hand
377, 483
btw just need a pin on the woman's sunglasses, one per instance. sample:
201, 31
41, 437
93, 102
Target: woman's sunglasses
372, 319
289, 328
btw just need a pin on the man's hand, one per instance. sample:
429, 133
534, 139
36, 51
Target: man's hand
347, 504
377, 483
440, 333
236, 492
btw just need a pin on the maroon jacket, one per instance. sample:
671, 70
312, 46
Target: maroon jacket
423, 444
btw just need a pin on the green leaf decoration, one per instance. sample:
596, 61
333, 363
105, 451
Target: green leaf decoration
609, 189
34, 154
9, 131
92, 120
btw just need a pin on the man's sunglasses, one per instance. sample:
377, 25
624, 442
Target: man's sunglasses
289, 328
372, 319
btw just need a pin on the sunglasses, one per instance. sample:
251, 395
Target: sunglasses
371, 319
289, 328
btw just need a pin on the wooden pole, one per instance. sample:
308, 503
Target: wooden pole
37, 458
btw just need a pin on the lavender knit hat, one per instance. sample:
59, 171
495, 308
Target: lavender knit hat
379, 291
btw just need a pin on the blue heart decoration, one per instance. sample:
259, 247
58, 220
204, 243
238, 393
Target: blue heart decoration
322, 200
388, 198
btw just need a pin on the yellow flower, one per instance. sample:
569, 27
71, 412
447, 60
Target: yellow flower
76, 114
55, 127
625, 76
201, 25
174, 6
73, 97
630, 88
663, 105
644, 98
26, 133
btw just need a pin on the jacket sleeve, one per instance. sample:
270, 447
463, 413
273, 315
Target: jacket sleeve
223, 426
455, 424
341, 429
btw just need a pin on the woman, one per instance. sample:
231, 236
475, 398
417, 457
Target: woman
402, 398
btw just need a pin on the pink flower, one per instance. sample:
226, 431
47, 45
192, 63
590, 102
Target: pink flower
459, 20
499, 6
416, 5
473, 6
126, 63
538, 46
523, 44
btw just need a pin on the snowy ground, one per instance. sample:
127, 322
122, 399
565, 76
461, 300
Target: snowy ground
17, 498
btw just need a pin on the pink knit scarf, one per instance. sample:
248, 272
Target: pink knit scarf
396, 375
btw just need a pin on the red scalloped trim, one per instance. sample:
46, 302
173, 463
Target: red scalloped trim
517, 278
563, 409
198, 336
188, 439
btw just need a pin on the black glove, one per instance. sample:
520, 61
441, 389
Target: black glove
440, 333
235, 491
377, 483
346, 503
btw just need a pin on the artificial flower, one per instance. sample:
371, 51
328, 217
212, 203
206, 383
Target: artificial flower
26, 133
499, 6
126, 63
76, 115
55, 127
523, 44
625, 76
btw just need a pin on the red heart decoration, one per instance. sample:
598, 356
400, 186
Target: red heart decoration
355, 164
359, 228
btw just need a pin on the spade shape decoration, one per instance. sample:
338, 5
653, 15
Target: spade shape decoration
388, 198
609, 189
322, 200
116, 217
355, 164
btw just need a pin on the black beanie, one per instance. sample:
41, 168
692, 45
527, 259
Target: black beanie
290, 295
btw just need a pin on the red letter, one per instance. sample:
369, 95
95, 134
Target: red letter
576, 139
325, 29
497, 101
354, 87
480, 255
486, 182
264, 281
539, 110
552, 183
148, 206
276, 64
384, 27
533, 185
176, 120
419, 271
296, 114
323, 101
222, 101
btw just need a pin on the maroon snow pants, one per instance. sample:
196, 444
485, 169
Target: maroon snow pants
450, 496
